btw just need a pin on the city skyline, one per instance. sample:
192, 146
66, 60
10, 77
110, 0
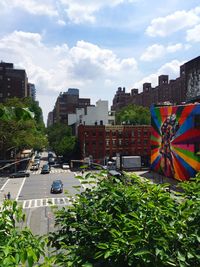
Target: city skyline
97, 46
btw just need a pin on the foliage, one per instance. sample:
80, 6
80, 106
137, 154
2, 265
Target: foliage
60, 139
21, 125
134, 115
129, 223
18, 247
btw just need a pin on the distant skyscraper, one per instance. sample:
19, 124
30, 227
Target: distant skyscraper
32, 91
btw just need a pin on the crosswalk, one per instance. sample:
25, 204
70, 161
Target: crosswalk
44, 202
51, 171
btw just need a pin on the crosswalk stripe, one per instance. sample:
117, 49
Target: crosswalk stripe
52, 171
44, 202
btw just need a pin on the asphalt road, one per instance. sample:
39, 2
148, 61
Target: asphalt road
33, 193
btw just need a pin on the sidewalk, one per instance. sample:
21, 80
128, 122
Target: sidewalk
159, 179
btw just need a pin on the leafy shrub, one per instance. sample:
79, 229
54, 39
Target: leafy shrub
130, 223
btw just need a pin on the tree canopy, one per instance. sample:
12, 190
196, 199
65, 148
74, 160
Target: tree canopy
61, 140
21, 125
134, 115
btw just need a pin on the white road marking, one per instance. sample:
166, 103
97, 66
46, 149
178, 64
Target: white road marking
4, 185
44, 202
20, 189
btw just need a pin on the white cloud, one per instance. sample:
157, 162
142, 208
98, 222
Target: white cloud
153, 52
61, 22
35, 7
55, 68
164, 26
193, 35
79, 11
171, 68
158, 51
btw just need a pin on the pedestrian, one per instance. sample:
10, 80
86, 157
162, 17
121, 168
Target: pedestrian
8, 195
5, 196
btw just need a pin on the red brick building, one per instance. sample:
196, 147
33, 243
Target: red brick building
182, 89
103, 142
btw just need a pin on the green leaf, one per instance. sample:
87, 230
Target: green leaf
87, 265
107, 254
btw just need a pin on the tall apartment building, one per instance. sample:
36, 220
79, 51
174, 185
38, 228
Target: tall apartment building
67, 103
13, 82
185, 88
102, 142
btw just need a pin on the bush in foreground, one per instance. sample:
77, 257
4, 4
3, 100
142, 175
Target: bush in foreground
130, 223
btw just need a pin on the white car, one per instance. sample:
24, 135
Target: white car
65, 166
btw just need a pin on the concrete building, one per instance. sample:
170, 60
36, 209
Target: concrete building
185, 88
13, 82
92, 115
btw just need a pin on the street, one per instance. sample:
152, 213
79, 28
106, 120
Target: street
33, 193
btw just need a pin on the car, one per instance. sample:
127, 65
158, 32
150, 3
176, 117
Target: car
19, 174
34, 167
45, 169
57, 186
65, 166
51, 161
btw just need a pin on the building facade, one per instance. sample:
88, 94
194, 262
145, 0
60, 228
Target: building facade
13, 82
175, 141
185, 88
104, 142
67, 103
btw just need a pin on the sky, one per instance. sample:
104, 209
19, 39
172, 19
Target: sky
97, 45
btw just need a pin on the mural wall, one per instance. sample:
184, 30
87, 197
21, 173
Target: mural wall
175, 141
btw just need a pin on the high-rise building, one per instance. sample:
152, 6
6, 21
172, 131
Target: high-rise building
67, 103
13, 82
32, 91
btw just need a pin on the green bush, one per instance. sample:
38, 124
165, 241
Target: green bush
130, 223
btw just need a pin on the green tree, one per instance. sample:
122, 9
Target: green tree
61, 140
134, 115
21, 125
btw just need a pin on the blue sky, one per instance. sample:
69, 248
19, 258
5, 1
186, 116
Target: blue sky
97, 46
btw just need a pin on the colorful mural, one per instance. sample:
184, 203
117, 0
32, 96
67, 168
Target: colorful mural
175, 140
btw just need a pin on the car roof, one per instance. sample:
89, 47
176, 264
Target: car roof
57, 181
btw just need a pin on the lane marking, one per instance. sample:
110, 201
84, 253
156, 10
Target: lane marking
20, 189
4, 185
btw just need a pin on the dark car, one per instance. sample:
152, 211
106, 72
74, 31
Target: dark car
19, 174
57, 186
45, 169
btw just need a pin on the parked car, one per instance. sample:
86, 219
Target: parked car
34, 167
45, 169
19, 174
65, 166
57, 186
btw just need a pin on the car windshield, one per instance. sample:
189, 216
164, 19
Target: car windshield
57, 183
